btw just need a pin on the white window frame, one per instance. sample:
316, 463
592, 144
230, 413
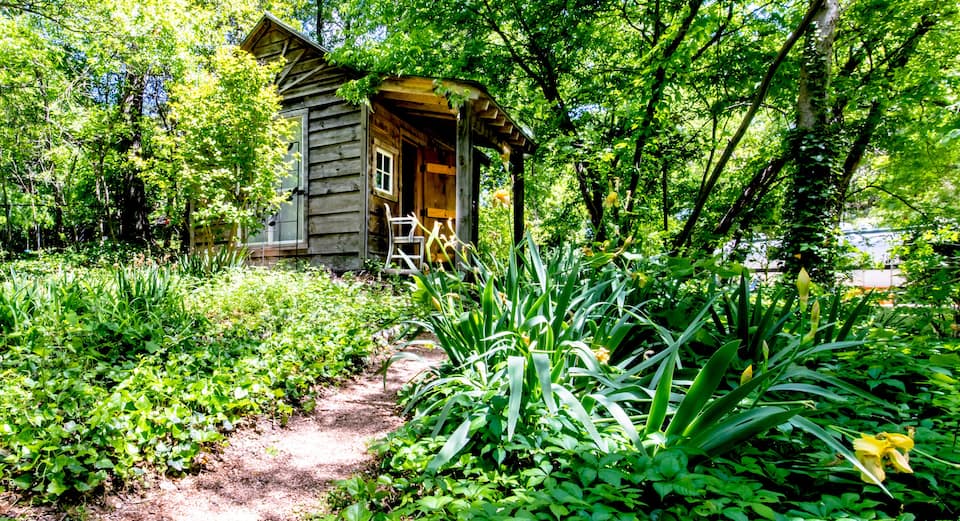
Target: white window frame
269, 232
377, 172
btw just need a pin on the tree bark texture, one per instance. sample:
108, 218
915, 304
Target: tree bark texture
809, 241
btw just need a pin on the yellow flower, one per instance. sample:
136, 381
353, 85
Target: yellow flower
640, 278
501, 196
746, 375
611, 200
884, 448
602, 354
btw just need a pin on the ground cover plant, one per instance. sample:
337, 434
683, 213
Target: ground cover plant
108, 372
593, 385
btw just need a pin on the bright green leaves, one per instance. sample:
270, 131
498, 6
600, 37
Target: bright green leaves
230, 142
702, 390
455, 443
104, 372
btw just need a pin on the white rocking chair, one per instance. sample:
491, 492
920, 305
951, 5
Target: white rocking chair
403, 243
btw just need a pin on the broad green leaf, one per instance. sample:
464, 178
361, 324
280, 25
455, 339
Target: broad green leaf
457, 441
703, 387
515, 375
580, 415
541, 363
661, 398
738, 427
623, 420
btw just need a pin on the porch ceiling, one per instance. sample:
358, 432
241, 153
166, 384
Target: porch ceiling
429, 97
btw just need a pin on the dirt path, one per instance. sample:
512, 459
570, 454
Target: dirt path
271, 472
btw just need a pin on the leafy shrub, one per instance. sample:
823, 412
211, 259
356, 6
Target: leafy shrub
108, 373
503, 431
930, 261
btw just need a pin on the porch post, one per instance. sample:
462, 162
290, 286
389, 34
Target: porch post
516, 172
466, 196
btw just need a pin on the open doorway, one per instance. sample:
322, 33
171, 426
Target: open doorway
409, 187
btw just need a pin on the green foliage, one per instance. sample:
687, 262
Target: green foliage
113, 372
229, 142
930, 262
737, 409
640, 100
496, 225
208, 262
84, 88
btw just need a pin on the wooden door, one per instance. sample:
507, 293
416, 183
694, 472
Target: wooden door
439, 195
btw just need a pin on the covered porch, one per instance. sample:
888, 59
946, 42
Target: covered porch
424, 159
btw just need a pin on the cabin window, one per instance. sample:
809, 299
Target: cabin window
383, 172
287, 225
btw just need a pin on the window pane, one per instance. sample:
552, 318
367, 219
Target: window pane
287, 223
383, 171
292, 180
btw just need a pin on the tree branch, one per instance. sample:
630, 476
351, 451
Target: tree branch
683, 238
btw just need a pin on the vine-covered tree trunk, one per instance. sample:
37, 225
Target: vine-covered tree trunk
809, 240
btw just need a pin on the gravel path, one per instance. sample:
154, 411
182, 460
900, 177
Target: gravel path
270, 472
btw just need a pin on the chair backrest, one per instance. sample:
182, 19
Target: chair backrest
400, 227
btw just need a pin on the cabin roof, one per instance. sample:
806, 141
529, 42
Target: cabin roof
425, 96
264, 25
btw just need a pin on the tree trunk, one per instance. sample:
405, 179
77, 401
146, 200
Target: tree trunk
896, 60
134, 212
750, 196
809, 241
321, 19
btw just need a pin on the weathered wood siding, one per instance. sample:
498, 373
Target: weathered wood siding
333, 154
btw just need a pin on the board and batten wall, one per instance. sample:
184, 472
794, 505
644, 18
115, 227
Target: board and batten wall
336, 209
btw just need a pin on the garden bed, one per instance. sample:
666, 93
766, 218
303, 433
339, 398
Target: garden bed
110, 373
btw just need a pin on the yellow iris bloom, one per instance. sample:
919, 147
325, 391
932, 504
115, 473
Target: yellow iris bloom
502, 197
602, 354
874, 452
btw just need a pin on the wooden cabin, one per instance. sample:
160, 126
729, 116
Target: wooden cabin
414, 147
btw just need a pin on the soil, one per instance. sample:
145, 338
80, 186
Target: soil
267, 471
